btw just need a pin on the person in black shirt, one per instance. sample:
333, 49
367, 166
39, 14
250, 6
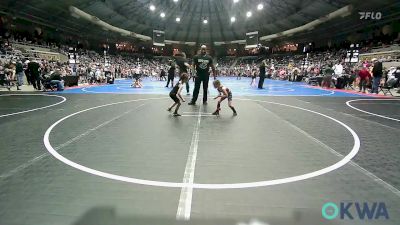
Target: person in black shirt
19, 70
171, 74
377, 73
202, 64
34, 72
183, 66
162, 75
263, 65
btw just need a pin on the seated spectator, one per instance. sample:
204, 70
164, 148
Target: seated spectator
55, 79
99, 76
327, 80
4, 79
396, 74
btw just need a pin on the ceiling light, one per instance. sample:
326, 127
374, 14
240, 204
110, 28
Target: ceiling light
175, 0
248, 14
205, 21
233, 19
235, 1
178, 19
260, 6
162, 15
152, 7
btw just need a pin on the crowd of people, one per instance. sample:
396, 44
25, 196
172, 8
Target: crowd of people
326, 69
91, 67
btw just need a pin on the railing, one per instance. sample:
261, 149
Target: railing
385, 49
35, 45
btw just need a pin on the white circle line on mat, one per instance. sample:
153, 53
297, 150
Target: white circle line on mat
337, 165
35, 109
370, 113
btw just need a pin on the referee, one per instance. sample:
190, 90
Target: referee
202, 64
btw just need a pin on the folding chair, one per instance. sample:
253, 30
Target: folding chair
388, 86
350, 82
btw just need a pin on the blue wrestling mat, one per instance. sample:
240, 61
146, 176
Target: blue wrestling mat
239, 88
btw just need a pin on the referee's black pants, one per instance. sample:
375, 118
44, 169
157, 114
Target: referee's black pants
197, 82
187, 87
35, 80
170, 79
261, 81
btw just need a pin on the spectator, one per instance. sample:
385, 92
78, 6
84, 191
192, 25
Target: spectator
377, 73
55, 79
327, 80
364, 77
33, 68
19, 70
396, 74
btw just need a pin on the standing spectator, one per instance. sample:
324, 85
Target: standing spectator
377, 73
19, 70
27, 74
33, 68
171, 74
364, 76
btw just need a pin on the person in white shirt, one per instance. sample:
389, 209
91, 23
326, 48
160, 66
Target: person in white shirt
99, 75
137, 70
338, 68
391, 73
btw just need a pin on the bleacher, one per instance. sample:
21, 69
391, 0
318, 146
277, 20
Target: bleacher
33, 51
394, 47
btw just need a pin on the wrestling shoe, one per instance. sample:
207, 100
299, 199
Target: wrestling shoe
216, 113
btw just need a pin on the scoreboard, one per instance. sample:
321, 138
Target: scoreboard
353, 54
252, 39
158, 38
